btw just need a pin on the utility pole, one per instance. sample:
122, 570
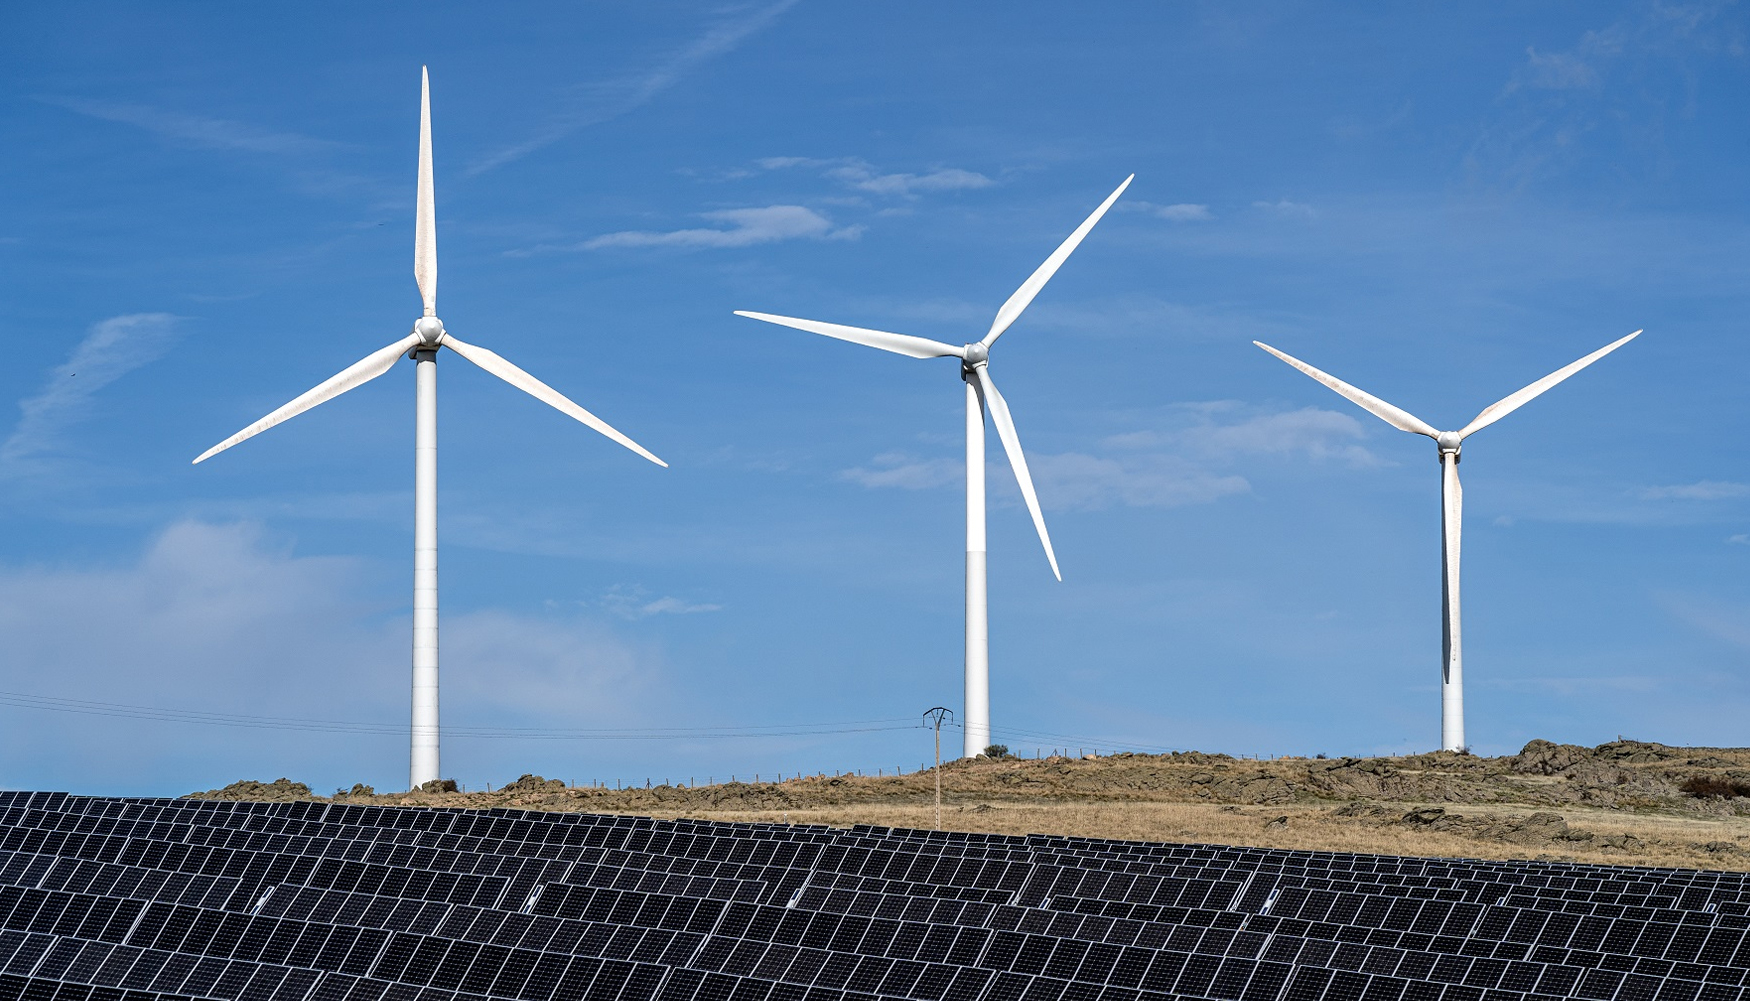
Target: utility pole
936, 716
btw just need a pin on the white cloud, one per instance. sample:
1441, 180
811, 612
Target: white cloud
946, 179
1703, 490
1624, 81
1179, 212
607, 100
214, 618
1577, 69
860, 175
1075, 480
743, 228
1188, 460
906, 472
674, 606
1317, 434
110, 350
539, 670
1738, 540
771, 223
1208, 430
634, 602
1283, 206
1126, 315
1554, 71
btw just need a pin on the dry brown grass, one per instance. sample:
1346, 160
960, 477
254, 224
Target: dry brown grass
1624, 803
1668, 841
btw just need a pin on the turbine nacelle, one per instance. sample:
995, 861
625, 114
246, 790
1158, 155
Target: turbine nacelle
1449, 441
430, 330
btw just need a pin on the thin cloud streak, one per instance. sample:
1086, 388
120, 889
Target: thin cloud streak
1178, 212
1720, 619
1083, 482
611, 99
634, 602
1282, 206
861, 175
305, 160
744, 228
1705, 490
112, 349
211, 133
906, 472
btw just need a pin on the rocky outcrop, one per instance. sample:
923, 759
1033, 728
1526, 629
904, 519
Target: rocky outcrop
528, 784
280, 790
1540, 757
1539, 830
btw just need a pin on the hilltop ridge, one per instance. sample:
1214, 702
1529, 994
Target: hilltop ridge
1623, 801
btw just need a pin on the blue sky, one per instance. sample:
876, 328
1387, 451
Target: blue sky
204, 212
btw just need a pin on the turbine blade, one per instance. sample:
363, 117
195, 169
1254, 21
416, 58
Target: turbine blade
1403, 420
425, 215
903, 344
1531, 392
352, 377
999, 412
492, 362
1011, 310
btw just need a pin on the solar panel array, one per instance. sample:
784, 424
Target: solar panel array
132, 899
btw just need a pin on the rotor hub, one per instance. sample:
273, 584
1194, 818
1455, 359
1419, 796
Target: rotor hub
430, 330
977, 353
1449, 441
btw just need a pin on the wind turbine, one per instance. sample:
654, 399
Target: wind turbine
1451, 510
980, 391
422, 346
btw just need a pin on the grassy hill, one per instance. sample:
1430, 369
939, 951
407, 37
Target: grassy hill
1625, 802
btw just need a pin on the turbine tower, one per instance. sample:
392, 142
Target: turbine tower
980, 392
1451, 509
422, 346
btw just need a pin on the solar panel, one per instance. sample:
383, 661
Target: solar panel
116, 899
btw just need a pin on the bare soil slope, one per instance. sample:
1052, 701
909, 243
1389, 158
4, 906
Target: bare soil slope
1626, 802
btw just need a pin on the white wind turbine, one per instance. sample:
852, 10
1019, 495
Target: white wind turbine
422, 346
1451, 510
980, 390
